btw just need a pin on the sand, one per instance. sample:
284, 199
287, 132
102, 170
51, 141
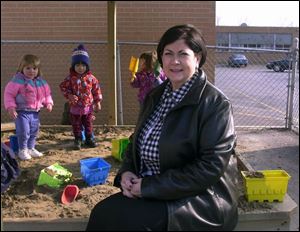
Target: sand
25, 199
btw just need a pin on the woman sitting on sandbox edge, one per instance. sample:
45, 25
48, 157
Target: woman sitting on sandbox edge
178, 172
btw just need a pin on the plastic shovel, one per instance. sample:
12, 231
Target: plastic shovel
133, 65
69, 194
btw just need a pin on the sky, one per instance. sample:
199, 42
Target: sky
258, 13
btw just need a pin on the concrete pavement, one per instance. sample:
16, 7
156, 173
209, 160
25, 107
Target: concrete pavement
273, 149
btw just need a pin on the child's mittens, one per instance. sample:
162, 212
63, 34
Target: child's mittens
12, 113
97, 106
49, 107
72, 99
133, 76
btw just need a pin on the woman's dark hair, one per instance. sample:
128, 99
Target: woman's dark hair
191, 36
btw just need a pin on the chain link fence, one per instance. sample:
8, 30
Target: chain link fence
261, 97
55, 63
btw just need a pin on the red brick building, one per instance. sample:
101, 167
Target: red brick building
277, 38
51, 29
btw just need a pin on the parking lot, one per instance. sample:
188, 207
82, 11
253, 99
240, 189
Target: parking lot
259, 95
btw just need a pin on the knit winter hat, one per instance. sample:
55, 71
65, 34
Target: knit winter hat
80, 55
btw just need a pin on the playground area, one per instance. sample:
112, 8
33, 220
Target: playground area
24, 199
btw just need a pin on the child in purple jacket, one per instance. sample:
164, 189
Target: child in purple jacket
24, 95
149, 76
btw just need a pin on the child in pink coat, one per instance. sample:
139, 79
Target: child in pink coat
24, 96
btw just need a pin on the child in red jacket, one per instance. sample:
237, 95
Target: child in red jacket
83, 92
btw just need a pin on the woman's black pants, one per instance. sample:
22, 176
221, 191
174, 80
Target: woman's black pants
121, 213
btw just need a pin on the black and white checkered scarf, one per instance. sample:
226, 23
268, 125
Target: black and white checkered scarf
150, 133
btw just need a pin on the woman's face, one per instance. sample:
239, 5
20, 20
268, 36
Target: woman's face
30, 71
179, 63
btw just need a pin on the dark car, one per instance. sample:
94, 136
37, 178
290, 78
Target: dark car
279, 65
237, 60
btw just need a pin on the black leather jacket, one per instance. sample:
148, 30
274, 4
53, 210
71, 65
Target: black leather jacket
198, 171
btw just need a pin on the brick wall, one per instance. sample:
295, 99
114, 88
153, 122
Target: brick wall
53, 20
142, 21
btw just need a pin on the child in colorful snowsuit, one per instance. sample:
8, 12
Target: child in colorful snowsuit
81, 88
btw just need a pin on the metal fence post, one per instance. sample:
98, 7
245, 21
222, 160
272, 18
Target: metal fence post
295, 51
119, 89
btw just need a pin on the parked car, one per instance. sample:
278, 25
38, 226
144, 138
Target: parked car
279, 65
237, 60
